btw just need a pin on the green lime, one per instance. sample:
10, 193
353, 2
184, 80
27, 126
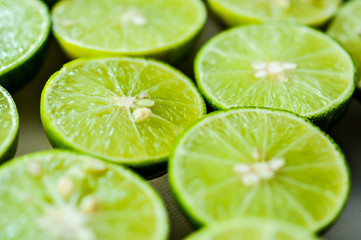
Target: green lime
124, 110
275, 66
159, 28
252, 229
346, 28
24, 29
9, 126
308, 12
63, 195
263, 163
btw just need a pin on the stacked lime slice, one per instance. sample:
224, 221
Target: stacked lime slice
261, 163
346, 28
252, 229
24, 27
309, 12
63, 195
124, 110
275, 66
159, 28
9, 125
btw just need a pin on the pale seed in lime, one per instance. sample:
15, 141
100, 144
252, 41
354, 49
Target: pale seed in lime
63, 195
159, 28
124, 110
24, 29
252, 162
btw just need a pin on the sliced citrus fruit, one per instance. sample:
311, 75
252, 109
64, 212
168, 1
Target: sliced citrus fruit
159, 28
62, 195
275, 66
308, 12
346, 28
252, 229
9, 126
24, 27
123, 110
259, 163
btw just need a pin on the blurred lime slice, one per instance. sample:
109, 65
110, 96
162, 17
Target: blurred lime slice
124, 110
24, 29
308, 12
159, 28
63, 195
262, 163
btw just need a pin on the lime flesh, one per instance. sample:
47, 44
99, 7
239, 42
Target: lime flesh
252, 229
24, 28
346, 28
259, 163
124, 110
9, 125
308, 12
63, 195
158, 28
274, 66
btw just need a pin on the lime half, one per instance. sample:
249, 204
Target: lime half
259, 163
252, 229
275, 66
123, 110
159, 28
24, 29
308, 12
9, 126
63, 195
346, 28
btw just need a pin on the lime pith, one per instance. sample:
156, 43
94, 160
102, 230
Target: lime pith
273, 65
160, 28
259, 163
346, 29
123, 110
252, 229
25, 26
312, 13
63, 195
9, 126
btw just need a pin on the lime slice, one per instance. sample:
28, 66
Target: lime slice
24, 29
124, 110
252, 229
259, 163
275, 66
308, 12
159, 28
63, 195
346, 28
9, 126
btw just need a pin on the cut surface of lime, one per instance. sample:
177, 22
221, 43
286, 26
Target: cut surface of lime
62, 195
275, 66
9, 125
124, 110
158, 28
259, 163
24, 28
308, 12
346, 28
252, 229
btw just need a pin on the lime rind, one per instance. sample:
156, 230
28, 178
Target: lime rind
8, 145
150, 166
199, 219
324, 118
265, 230
17, 73
171, 52
162, 231
233, 16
